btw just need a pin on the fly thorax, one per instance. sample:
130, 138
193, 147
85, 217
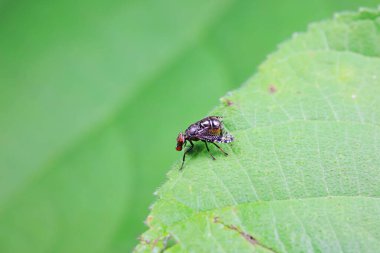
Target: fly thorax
205, 123
192, 130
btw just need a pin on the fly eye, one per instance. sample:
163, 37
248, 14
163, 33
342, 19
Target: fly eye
179, 146
180, 141
180, 138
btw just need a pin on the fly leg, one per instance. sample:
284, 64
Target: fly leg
220, 148
209, 150
184, 154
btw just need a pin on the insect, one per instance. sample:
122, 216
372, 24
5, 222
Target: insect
209, 129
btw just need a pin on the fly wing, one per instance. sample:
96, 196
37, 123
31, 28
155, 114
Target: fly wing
219, 139
222, 138
209, 132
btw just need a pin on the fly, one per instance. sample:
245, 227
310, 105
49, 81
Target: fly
207, 130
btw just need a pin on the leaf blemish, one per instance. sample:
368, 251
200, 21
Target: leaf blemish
272, 89
148, 220
144, 240
245, 235
227, 102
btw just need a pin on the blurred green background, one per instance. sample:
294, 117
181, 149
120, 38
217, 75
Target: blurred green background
93, 94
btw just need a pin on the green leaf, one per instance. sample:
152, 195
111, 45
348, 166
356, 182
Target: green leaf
304, 172
83, 145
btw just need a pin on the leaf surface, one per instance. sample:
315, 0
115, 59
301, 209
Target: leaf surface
303, 174
80, 84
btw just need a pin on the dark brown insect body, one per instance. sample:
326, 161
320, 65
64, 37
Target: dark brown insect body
209, 129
